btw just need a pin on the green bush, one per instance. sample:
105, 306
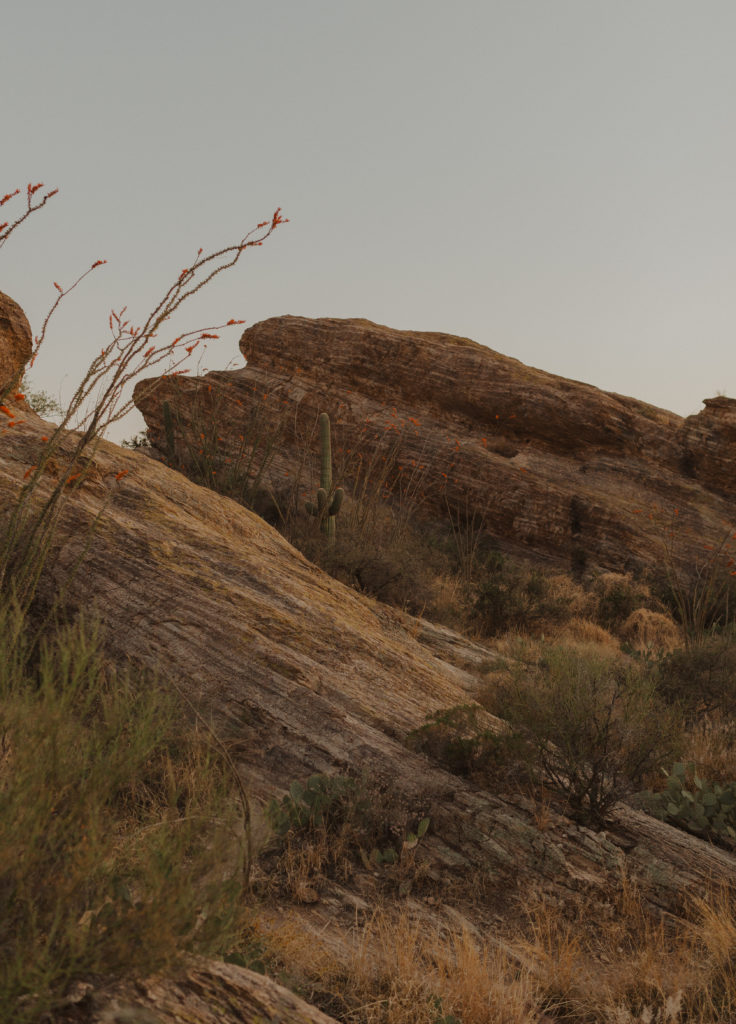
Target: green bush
120, 842
457, 740
701, 677
597, 726
515, 598
42, 403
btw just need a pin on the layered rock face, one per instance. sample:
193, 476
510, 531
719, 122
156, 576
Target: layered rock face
553, 468
15, 342
300, 674
708, 446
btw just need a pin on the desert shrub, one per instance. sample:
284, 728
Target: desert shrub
137, 442
368, 810
331, 824
702, 676
463, 744
650, 632
596, 724
701, 595
617, 597
41, 402
397, 567
121, 846
518, 598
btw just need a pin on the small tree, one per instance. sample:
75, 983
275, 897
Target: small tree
597, 725
41, 402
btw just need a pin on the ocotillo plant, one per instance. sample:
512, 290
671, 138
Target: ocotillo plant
325, 511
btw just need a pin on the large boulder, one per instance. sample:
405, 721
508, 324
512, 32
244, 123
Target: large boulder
16, 343
201, 993
553, 468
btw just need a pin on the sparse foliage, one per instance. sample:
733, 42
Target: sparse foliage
121, 844
101, 398
597, 725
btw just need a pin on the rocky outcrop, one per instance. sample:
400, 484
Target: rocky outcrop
15, 342
303, 675
554, 468
205, 993
299, 674
707, 444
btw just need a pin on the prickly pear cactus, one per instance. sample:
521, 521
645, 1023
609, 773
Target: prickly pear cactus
704, 808
325, 509
322, 802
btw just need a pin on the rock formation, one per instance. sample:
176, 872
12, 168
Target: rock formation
708, 446
303, 675
204, 992
15, 342
556, 469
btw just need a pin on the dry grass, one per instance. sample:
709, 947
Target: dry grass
579, 602
611, 960
651, 632
711, 745
619, 963
583, 631
303, 865
397, 969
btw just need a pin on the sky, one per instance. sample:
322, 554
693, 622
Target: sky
555, 179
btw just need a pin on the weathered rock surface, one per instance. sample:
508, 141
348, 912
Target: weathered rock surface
708, 442
16, 342
303, 675
555, 468
205, 993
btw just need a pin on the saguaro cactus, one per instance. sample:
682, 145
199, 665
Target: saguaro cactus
324, 508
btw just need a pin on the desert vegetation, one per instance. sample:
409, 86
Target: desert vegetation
128, 841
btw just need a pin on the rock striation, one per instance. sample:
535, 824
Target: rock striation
554, 468
300, 674
203, 993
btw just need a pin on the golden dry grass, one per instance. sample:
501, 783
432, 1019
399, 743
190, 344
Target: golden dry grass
584, 631
580, 603
607, 957
618, 963
711, 745
651, 632
396, 969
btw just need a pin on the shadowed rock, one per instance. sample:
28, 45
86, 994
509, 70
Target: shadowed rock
554, 468
15, 342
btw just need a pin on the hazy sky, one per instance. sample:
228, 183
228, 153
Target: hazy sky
553, 178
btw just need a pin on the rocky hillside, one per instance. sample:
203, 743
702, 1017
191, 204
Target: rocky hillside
302, 675
556, 469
